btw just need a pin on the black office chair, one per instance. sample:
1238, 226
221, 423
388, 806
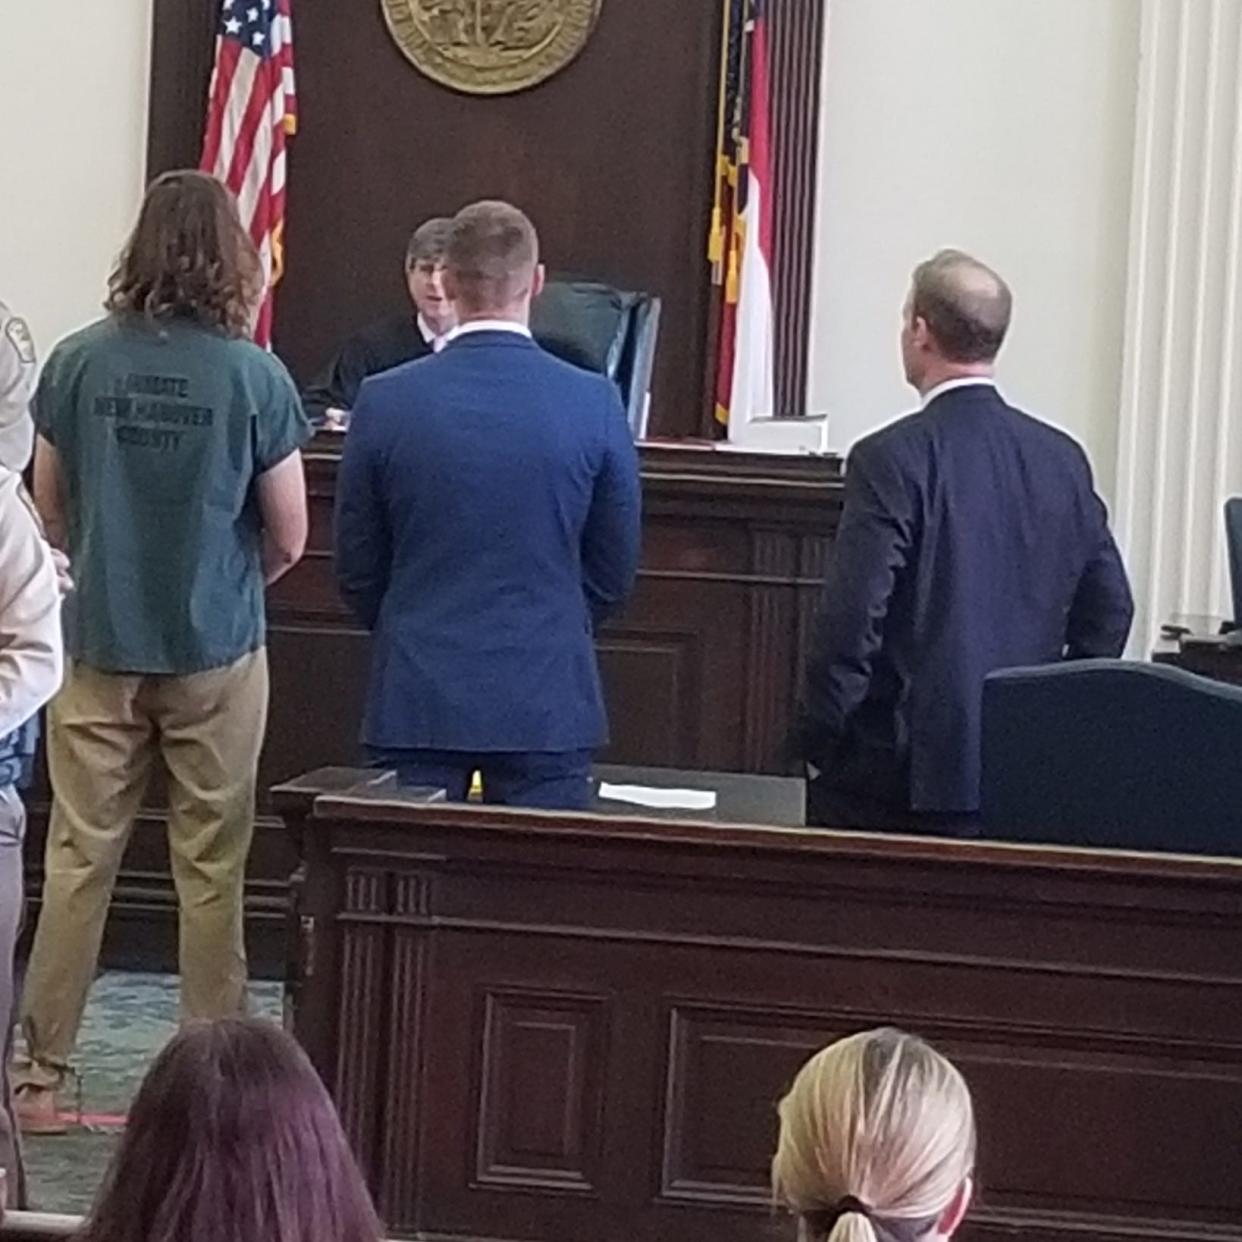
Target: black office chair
606, 330
1113, 753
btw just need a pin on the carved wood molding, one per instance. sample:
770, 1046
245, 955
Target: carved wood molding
183, 42
774, 556
547, 1050
364, 996
398, 1191
797, 41
812, 566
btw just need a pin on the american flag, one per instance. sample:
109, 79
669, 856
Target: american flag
251, 114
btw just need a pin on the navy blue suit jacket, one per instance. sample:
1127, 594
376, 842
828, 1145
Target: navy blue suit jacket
488, 514
972, 540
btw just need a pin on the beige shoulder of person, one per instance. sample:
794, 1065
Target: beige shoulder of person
17, 364
19, 519
10, 480
13, 492
17, 351
17, 382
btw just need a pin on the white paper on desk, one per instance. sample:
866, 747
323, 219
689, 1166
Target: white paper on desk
659, 799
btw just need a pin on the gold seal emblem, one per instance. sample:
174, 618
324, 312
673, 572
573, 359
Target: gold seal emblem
491, 47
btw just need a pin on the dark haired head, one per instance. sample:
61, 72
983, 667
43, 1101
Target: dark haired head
492, 260
429, 242
232, 1139
965, 305
189, 257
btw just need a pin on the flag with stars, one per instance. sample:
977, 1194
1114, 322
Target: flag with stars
251, 114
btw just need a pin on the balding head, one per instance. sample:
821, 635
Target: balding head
955, 320
965, 304
492, 262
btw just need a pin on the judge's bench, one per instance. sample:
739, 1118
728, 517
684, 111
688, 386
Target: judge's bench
700, 671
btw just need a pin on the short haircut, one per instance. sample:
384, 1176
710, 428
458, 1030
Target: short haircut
429, 242
492, 255
965, 305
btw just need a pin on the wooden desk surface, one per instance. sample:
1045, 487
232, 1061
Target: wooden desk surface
1205, 649
327, 796
741, 798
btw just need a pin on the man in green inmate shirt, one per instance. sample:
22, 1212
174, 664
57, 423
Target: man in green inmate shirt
168, 466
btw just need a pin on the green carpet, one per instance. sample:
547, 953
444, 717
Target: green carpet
128, 1019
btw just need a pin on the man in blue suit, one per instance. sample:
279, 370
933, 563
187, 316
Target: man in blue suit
488, 518
972, 539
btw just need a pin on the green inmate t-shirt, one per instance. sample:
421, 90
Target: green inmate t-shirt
162, 430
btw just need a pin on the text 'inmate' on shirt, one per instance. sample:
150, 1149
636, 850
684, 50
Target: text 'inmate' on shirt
162, 430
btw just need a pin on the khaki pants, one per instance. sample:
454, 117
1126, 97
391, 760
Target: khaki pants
104, 733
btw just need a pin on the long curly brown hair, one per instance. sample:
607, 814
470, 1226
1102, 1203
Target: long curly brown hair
188, 258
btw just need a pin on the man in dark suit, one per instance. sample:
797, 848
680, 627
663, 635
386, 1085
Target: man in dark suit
972, 539
488, 513
411, 334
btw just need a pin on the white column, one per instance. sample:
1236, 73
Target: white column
1180, 446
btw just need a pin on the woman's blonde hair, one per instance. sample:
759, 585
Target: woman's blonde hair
877, 1136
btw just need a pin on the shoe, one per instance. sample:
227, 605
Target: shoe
37, 1112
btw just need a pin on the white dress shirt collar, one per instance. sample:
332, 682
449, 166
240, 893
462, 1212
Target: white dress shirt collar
963, 381
489, 325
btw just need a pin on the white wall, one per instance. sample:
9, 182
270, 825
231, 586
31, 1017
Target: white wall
1005, 127
1002, 126
73, 76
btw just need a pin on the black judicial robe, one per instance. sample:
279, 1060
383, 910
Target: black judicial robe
376, 348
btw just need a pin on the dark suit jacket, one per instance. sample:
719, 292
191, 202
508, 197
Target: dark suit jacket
488, 514
375, 349
972, 539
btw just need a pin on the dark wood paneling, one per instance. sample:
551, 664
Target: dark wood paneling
797, 28
183, 43
366, 895
669, 671
141, 931
700, 671
652, 678
540, 1104
673, 976
612, 158
717, 1144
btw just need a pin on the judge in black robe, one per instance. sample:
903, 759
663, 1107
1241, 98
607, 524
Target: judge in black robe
393, 341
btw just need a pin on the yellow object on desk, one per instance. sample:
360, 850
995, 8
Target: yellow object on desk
476, 787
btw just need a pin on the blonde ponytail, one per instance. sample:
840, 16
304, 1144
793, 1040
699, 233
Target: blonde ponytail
852, 1227
877, 1139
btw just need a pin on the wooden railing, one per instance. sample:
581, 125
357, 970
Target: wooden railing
28, 1226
